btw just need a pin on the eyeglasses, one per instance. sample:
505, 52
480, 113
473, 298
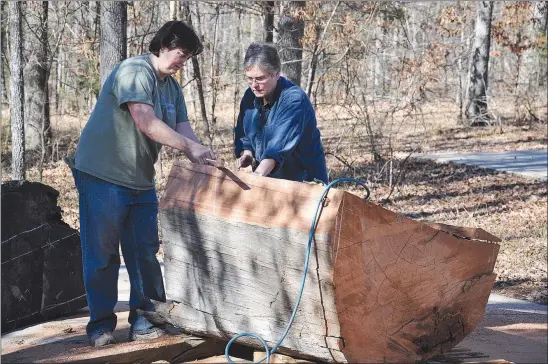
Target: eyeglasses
184, 56
259, 80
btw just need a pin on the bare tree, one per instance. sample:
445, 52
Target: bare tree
237, 61
37, 107
113, 35
291, 30
174, 10
198, 77
317, 49
3, 51
214, 70
268, 21
476, 110
17, 92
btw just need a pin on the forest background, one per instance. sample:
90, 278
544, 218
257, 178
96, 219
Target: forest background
388, 80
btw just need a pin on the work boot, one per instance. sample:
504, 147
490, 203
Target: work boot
102, 338
148, 334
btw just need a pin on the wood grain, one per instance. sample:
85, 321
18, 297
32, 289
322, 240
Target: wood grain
380, 287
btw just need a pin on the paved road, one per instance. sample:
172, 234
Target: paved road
512, 330
531, 163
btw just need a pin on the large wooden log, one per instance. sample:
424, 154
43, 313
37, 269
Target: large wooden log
380, 286
41, 257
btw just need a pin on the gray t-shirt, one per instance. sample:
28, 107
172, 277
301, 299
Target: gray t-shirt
111, 146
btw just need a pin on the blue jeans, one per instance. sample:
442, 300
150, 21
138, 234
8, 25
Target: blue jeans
111, 214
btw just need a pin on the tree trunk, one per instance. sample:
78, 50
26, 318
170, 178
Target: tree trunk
17, 93
97, 20
268, 24
318, 48
461, 92
113, 36
45, 132
3, 52
214, 72
291, 33
237, 62
92, 37
37, 125
476, 109
199, 29
173, 10
198, 77
313, 60
58, 79
378, 78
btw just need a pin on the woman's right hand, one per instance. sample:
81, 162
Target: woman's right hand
245, 160
201, 154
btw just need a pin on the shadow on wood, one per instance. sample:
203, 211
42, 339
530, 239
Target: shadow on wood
380, 287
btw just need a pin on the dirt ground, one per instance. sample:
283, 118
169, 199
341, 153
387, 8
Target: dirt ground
509, 206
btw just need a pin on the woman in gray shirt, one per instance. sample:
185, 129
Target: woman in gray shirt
140, 108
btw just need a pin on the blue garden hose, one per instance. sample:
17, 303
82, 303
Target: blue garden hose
307, 258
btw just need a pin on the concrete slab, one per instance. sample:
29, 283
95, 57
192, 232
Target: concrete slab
530, 163
512, 330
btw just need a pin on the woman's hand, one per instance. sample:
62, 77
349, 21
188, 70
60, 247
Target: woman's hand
245, 160
201, 154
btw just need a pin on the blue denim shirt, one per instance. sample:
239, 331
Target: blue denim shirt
284, 130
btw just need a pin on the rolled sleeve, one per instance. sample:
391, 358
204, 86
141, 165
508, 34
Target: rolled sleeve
136, 86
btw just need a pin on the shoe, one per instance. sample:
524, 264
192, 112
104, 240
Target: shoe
102, 338
148, 334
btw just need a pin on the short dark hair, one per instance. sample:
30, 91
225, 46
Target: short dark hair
264, 55
174, 34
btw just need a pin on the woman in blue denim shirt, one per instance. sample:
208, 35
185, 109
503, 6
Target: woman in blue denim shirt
276, 131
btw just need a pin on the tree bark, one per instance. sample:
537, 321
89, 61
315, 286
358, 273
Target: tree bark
92, 36
476, 110
198, 77
37, 110
318, 47
378, 79
58, 79
113, 36
3, 51
290, 47
462, 74
17, 92
173, 10
313, 60
237, 62
214, 70
268, 24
